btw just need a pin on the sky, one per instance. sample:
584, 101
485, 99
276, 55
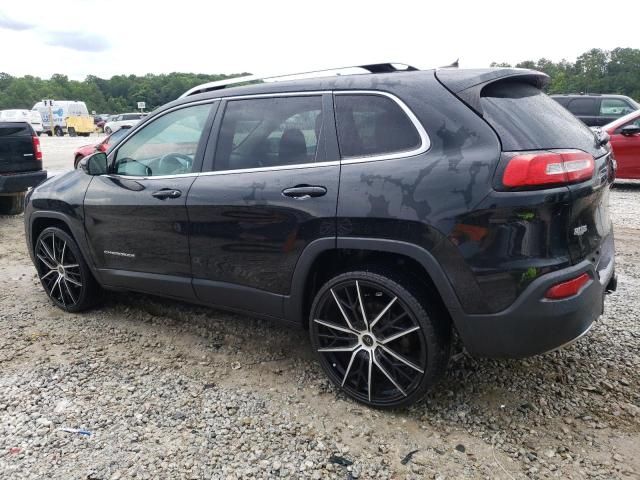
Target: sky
104, 38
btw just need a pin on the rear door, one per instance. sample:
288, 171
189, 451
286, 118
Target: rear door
270, 190
16, 148
136, 216
613, 108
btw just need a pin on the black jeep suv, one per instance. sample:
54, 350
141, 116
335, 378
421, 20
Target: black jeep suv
382, 211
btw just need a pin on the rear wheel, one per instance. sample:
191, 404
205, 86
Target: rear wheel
12, 204
58, 132
63, 272
379, 339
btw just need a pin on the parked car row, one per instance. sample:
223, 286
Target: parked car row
468, 201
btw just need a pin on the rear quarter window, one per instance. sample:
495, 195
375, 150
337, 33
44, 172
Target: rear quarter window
526, 119
370, 125
587, 107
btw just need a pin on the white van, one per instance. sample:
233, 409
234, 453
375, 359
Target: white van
61, 110
18, 115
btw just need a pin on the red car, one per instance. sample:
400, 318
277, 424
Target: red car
103, 146
625, 141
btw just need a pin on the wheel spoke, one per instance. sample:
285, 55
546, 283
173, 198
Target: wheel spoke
64, 246
46, 250
335, 327
386, 374
364, 315
369, 374
75, 282
344, 314
47, 274
46, 262
350, 348
353, 357
384, 310
69, 290
73, 265
53, 246
398, 335
408, 363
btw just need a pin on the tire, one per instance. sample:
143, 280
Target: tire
63, 273
392, 358
72, 132
49, 134
12, 204
58, 132
108, 131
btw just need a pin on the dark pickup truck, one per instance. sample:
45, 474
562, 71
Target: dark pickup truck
20, 165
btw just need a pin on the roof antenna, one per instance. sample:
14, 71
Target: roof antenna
455, 64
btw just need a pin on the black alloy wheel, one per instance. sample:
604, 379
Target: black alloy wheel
376, 341
62, 271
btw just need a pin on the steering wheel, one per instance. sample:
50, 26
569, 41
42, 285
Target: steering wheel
174, 163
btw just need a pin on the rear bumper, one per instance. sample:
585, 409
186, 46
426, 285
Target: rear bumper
534, 324
21, 182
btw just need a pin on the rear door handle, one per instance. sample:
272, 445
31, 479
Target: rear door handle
302, 192
166, 193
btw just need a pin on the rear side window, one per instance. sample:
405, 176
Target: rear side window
526, 119
370, 125
614, 107
269, 132
15, 130
583, 106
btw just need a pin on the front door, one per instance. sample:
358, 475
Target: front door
271, 191
136, 216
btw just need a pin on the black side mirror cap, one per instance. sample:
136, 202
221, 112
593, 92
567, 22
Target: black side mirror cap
630, 130
95, 164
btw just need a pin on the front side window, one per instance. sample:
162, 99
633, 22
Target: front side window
613, 107
370, 125
166, 146
269, 132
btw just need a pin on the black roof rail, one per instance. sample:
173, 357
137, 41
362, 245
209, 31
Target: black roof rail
389, 67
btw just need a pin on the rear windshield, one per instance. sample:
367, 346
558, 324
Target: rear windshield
527, 119
13, 129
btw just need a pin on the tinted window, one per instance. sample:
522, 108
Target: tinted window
269, 132
166, 146
613, 107
583, 106
373, 125
527, 119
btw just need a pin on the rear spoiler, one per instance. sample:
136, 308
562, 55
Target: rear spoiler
467, 85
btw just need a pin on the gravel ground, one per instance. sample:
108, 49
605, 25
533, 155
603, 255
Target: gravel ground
169, 390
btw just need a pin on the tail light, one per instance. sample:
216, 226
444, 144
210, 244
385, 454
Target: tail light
548, 168
568, 288
102, 147
36, 147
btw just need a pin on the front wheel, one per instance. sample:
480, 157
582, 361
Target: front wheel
108, 131
64, 274
58, 132
380, 339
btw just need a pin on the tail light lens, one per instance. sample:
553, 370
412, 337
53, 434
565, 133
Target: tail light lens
102, 147
536, 169
567, 289
36, 147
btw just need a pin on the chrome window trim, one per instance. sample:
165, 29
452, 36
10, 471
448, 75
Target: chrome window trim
425, 142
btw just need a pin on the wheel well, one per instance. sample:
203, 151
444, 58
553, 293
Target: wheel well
333, 262
39, 224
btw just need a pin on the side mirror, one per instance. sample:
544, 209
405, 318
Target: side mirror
630, 130
95, 164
